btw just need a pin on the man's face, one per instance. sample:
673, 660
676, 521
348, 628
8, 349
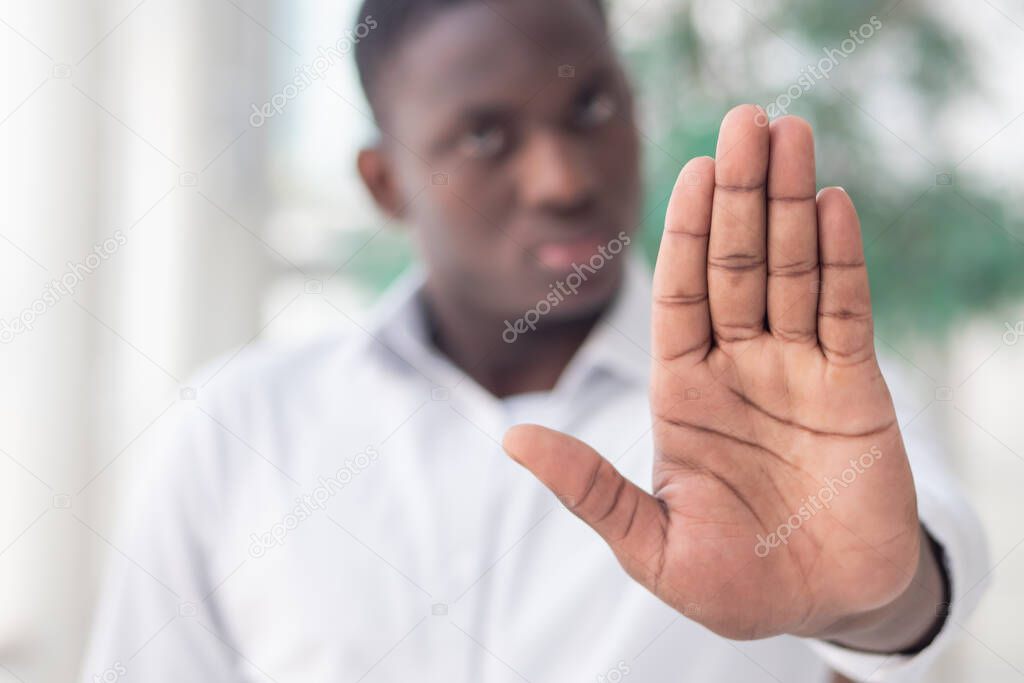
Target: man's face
509, 131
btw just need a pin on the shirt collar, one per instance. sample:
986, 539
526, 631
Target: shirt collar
619, 343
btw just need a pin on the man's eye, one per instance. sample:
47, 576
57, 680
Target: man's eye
595, 109
483, 143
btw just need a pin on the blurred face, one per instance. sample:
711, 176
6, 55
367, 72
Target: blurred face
540, 169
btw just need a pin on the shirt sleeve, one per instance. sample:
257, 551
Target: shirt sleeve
951, 522
155, 621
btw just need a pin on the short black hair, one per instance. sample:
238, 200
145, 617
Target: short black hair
393, 21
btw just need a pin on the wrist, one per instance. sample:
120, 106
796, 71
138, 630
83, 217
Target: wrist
910, 622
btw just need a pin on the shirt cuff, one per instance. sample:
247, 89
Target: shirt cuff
951, 523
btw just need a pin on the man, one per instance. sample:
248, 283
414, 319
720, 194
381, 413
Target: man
343, 512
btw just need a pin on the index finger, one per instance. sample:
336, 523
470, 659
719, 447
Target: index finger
681, 322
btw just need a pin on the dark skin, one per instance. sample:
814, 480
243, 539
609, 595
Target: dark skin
542, 171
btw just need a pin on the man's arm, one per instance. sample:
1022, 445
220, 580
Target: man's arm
153, 619
783, 497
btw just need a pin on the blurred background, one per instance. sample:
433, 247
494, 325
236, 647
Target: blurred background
140, 166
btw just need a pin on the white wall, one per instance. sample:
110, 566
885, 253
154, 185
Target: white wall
132, 96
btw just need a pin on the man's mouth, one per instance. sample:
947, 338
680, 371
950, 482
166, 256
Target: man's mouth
560, 255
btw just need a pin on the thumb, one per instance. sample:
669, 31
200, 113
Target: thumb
630, 520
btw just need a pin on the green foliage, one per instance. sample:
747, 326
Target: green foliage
935, 251
375, 258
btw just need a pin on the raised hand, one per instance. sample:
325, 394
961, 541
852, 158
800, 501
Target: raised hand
782, 497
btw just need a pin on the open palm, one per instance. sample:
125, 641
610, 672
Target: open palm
782, 497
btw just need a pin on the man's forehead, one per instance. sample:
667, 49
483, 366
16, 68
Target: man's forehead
482, 47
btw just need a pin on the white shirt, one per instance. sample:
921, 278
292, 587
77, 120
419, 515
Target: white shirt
253, 552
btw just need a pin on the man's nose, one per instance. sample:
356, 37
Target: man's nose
555, 175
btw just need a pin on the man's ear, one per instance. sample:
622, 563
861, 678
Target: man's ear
378, 175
